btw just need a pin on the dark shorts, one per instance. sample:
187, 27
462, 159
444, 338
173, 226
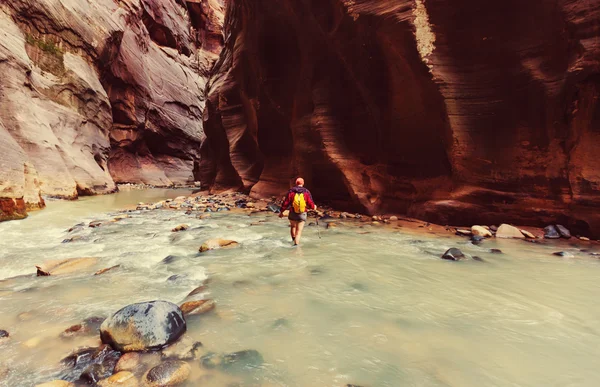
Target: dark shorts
297, 217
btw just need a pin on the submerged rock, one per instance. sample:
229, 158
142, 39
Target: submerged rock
213, 244
495, 251
102, 271
89, 365
120, 379
453, 254
3, 334
169, 373
64, 266
550, 232
477, 239
90, 326
508, 231
143, 326
56, 383
197, 307
181, 227
128, 362
565, 254
563, 231
234, 363
184, 349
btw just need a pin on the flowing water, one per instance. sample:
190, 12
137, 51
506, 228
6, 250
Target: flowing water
374, 309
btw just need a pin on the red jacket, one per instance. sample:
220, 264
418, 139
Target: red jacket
290, 198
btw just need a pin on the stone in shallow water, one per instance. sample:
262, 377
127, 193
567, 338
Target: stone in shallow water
184, 349
120, 379
481, 231
495, 251
128, 362
105, 270
89, 365
181, 227
197, 307
169, 373
453, 254
565, 254
508, 231
477, 239
563, 231
550, 232
234, 363
143, 326
3, 334
64, 266
213, 244
56, 383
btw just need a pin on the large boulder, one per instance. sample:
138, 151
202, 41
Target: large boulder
508, 231
143, 326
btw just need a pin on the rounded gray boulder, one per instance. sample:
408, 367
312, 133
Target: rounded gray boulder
143, 326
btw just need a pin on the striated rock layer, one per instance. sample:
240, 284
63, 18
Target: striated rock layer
469, 112
99, 92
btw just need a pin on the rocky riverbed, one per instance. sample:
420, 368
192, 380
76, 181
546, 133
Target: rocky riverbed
207, 290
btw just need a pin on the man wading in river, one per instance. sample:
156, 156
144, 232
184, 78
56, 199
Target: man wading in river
299, 198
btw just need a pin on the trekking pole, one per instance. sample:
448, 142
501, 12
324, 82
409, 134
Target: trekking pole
318, 231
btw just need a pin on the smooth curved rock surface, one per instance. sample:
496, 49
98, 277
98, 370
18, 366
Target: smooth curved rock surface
457, 113
97, 93
143, 326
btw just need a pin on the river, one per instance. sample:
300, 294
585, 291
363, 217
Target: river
371, 306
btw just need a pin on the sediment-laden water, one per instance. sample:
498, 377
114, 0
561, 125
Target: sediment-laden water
371, 306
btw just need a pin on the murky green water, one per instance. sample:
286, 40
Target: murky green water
376, 309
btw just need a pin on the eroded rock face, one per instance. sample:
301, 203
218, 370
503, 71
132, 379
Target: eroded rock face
456, 113
94, 94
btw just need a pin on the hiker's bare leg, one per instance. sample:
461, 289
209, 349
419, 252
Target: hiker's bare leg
293, 229
299, 229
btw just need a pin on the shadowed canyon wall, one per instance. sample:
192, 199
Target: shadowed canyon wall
100, 92
461, 113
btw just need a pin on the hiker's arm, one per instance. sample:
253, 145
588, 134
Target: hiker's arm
285, 205
309, 201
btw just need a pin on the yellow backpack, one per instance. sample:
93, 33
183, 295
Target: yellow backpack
299, 203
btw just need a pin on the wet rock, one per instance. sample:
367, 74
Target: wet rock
563, 231
169, 259
56, 383
333, 225
181, 227
169, 373
78, 226
393, 218
234, 363
64, 266
493, 228
143, 326
177, 277
221, 209
495, 251
528, 234
89, 365
213, 244
478, 259
507, 231
3, 334
184, 349
203, 216
105, 270
89, 326
550, 232
197, 307
95, 224
453, 254
481, 231
463, 232
208, 210
477, 239
76, 238
128, 362
274, 208
595, 254
198, 290
120, 379
565, 254
585, 239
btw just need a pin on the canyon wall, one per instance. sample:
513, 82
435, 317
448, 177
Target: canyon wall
100, 92
458, 113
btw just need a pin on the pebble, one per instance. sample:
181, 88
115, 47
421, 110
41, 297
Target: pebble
169, 373
120, 379
128, 362
181, 227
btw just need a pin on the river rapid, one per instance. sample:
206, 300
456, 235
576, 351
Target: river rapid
356, 304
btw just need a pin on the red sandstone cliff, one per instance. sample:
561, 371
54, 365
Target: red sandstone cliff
453, 112
95, 93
